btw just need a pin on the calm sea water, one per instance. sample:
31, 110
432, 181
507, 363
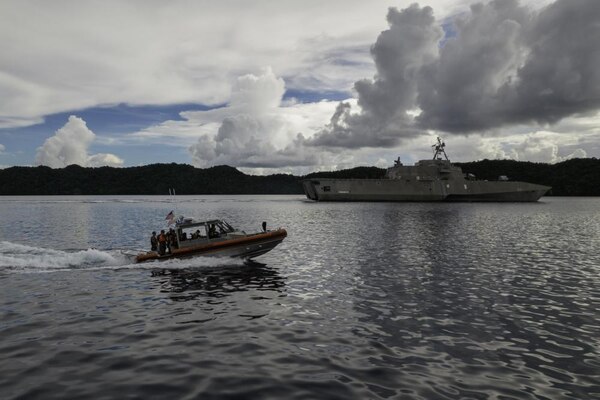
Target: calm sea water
361, 301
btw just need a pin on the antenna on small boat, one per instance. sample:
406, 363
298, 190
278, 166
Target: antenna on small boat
174, 199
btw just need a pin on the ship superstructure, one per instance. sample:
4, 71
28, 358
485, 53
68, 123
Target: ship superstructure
428, 180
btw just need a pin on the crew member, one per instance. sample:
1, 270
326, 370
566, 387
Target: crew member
153, 242
162, 243
173, 240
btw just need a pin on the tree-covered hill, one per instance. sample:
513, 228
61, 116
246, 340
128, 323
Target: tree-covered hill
149, 179
353, 173
577, 177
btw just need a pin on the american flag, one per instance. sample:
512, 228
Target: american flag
170, 216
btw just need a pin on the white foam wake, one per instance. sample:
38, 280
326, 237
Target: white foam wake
195, 263
18, 258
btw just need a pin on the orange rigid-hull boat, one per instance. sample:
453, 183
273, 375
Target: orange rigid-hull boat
215, 238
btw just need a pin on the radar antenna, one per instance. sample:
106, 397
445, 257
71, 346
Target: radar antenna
439, 150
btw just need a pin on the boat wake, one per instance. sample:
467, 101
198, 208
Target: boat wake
18, 258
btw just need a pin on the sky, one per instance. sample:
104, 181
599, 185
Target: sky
297, 86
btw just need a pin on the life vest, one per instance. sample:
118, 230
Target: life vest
162, 238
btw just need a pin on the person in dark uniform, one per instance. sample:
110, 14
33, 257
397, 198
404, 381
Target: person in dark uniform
153, 242
173, 239
162, 243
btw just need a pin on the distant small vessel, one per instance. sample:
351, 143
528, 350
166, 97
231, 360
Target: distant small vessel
215, 238
427, 180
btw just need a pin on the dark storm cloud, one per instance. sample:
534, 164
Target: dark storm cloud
399, 53
504, 64
507, 66
459, 90
562, 73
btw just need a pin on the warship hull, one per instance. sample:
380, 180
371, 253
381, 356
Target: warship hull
421, 190
428, 180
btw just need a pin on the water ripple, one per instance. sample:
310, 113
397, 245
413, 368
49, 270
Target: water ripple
362, 300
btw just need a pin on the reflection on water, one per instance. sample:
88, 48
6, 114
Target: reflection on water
490, 305
190, 284
362, 300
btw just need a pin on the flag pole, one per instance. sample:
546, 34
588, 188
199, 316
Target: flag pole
176, 204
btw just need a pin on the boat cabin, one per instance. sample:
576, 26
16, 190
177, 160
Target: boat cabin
191, 233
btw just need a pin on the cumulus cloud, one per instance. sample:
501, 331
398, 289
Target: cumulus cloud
537, 146
385, 103
541, 147
490, 70
103, 160
522, 145
474, 78
510, 65
458, 92
70, 145
499, 64
256, 131
78, 55
75, 55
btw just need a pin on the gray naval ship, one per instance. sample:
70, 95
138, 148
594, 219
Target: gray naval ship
428, 180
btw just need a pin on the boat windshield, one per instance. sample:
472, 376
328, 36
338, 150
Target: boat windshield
205, 229
225, 227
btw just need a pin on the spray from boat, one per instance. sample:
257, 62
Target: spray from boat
19, 258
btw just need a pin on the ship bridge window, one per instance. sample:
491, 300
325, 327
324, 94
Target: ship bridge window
327, 188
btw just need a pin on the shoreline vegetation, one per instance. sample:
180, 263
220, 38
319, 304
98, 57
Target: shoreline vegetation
575, 177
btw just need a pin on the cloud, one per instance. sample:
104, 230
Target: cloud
535, 146
509, 65
256, 131
502, 64
458, 92
426, 84
70, 144
542, 147
385, 103
79, 55
488, 71
74, 55
104, 159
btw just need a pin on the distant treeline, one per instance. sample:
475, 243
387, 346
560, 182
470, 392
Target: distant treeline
149, 179
577, 177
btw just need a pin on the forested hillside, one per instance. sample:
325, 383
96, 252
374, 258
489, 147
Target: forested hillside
577, 177
149, 179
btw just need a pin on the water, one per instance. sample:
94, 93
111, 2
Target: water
361, 301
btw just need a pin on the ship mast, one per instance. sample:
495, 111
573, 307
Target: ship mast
439, 150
